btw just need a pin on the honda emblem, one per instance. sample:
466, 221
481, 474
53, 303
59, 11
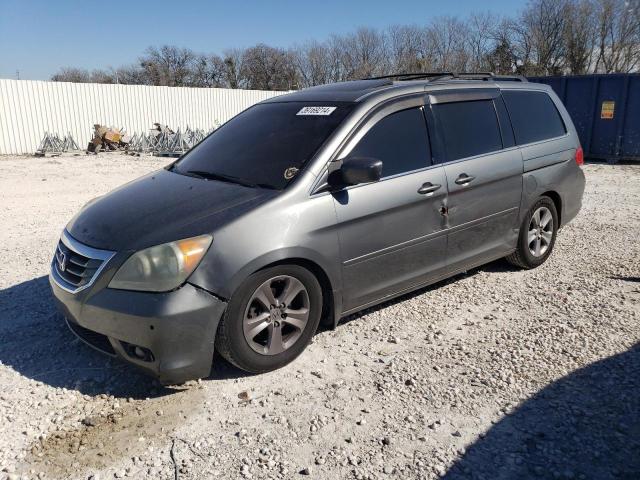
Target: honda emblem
62, 262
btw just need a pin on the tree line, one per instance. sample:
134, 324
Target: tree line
548, 37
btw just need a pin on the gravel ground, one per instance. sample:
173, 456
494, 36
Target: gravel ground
494, 374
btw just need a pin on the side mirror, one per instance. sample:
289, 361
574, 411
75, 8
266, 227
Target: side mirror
356, 170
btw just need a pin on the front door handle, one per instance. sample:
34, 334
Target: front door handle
463, 179
428, 188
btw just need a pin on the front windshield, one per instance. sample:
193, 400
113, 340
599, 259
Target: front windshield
267, 144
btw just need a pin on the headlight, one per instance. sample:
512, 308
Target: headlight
163, 267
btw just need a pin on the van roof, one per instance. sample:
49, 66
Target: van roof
394, 85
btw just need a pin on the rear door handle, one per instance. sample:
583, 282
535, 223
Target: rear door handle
463, 179
428, 188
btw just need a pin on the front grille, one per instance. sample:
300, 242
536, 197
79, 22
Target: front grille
96, 340
78, 269
75, 265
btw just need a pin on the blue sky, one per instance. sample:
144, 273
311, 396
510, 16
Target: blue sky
37, 37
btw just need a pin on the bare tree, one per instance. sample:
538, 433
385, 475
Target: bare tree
618, 35
208, 71
447, 38
84, 76
408, 49
503, 57
70, 74
549, 37
361, 54
542, 28
103, 76
580, 35
132, 75
480, 39
268, 68
315, 64
168, 65
522, 48
232, 59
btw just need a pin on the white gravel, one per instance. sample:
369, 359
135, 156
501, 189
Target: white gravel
495, 374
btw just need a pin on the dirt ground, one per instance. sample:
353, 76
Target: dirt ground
494, 374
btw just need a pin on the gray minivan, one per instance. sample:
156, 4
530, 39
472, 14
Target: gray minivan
313, 205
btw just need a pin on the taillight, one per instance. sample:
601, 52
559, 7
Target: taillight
579, 156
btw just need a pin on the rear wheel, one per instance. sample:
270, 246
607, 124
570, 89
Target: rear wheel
270, 319
537, 235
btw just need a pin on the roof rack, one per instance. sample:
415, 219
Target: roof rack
437, 76
408, 76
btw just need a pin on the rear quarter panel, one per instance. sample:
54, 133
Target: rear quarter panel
549, 166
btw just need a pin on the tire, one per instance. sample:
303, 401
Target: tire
525, 255
245, 341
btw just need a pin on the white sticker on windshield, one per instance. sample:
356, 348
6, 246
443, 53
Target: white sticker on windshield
316, 111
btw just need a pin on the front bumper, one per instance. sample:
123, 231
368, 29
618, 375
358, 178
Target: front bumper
174, 330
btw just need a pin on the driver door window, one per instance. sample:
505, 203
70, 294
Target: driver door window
400, 140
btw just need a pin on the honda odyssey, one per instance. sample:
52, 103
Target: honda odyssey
311, 206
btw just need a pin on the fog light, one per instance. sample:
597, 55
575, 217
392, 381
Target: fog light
138, 352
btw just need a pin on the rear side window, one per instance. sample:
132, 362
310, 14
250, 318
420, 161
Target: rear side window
468, 128
534, 116
400, 140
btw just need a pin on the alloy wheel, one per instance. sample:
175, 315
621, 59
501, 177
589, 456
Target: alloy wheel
276, 315
540, 232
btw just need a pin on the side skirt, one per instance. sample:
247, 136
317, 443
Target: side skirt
449, 274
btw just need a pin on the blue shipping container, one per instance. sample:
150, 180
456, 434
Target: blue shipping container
605, 110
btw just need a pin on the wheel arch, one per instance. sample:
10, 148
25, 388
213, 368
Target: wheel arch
557, 201
328, 275
328, 316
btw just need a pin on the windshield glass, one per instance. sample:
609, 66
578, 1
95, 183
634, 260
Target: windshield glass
266, 145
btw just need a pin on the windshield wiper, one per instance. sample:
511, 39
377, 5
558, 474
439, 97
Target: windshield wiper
220, 177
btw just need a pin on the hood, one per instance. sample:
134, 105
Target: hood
161, 207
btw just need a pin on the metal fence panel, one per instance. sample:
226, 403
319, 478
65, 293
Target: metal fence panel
29, 108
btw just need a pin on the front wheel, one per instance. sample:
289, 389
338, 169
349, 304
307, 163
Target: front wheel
537, 235
270, 319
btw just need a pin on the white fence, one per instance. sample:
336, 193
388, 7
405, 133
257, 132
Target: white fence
29, 108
